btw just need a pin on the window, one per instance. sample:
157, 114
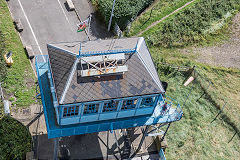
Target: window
110, 106
70, 111
91, 108
147, 102
129, 104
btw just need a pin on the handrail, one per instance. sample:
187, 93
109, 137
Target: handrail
177, 114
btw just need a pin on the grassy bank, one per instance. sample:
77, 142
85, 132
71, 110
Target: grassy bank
19, 81
198, 22
159, 9
196, 135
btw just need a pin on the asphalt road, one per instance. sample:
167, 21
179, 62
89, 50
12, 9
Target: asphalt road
45, 22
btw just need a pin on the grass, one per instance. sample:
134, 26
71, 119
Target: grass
160, 9
179, 30
160, 25
19, 82
194, 136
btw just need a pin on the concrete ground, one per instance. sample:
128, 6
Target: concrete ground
97, 27
45, 22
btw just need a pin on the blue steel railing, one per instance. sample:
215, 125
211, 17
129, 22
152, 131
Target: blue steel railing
94, 53
172, 104
42, 63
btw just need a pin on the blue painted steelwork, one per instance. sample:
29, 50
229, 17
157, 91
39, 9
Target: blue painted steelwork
161, 155
97, 53
99, 120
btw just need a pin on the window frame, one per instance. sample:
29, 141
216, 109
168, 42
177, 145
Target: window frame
71, 111
97, 108
127, 100
111, 109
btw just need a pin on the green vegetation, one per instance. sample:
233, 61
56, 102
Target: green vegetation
197, 135
194, 136
124, 10
18, 80
15, 139
195, 23
160, 9
2, 62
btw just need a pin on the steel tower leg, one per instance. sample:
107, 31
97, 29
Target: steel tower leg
141, 142
56, 148
119, 150
165, 132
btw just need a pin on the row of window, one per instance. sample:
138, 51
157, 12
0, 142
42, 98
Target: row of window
109, 106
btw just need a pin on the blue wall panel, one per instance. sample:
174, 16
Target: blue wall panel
105, 126
144, 111
89, 118
92, 128
81, 129
128, 113
66, 121
109, 115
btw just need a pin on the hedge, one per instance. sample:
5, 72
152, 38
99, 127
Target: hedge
15, 139
124, 11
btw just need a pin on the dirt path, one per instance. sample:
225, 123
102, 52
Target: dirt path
155, 23
226, 54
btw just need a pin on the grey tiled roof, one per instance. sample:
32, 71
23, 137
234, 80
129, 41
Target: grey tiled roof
61, 64
140, 79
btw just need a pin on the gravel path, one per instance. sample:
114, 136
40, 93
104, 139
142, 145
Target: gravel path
226, 54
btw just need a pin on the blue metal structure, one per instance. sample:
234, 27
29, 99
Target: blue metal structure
97, 116
161, 154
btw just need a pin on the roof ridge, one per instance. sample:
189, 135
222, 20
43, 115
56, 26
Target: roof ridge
146, 66
69, 80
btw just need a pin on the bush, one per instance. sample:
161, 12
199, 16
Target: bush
3, 67
124, 10
15, 139
194, 23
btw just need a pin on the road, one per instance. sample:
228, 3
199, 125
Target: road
45, 22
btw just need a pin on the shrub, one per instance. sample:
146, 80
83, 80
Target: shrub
193, 23
15, 139
124, 10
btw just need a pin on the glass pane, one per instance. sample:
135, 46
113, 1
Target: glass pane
70, 111
147, 102
129, 104
110, 106
91, 108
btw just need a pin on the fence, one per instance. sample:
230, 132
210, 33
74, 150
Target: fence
209, 89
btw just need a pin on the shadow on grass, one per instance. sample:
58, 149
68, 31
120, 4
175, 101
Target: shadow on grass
223, 116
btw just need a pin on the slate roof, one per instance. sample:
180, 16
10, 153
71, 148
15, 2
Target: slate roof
140, 79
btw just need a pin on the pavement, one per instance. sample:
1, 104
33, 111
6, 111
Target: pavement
45, 22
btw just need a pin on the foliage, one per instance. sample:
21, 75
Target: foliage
194, 136
159, 10
15, 139
194, 24
2, 62
124, 11
19, 80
